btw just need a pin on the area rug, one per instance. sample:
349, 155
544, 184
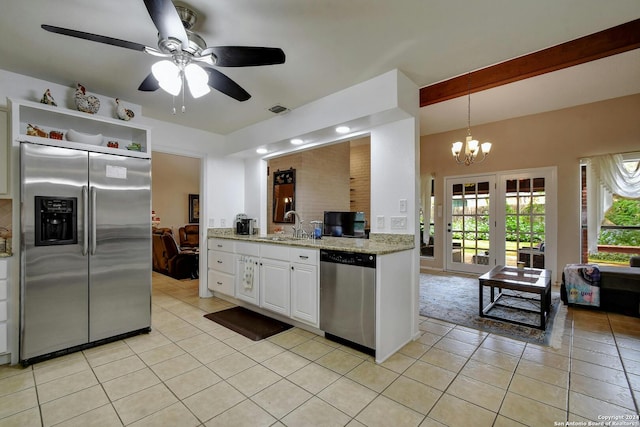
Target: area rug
454, 298
252, 325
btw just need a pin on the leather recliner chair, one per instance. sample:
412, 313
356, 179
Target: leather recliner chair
179, 265
189, 236
168, 260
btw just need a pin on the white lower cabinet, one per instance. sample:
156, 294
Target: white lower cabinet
248, 272
279, 278
221, 266
275, 287
220, 282
304, 293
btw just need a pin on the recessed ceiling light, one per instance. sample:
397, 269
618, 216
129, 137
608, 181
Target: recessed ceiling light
296, 141
343, 129
262, 151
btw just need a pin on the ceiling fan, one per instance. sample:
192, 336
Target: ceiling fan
186, 54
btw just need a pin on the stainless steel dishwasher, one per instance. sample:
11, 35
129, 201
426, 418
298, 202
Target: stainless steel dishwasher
348, 298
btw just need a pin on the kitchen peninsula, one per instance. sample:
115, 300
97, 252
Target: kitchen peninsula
286, 284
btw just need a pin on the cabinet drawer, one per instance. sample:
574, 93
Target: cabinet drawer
3, 268
224, 245
220, 261
3, 311
246, 248
304, 256
220, 282
3, 290
280, 252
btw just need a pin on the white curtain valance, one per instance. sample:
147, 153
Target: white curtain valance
607, 176
612, 174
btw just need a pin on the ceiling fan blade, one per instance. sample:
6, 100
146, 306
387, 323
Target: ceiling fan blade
224, 84
149, 84
95, 37
166, 19
245, 56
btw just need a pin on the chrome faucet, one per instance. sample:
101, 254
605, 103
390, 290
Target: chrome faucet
298, 231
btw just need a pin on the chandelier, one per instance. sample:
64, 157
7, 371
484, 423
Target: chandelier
467, 152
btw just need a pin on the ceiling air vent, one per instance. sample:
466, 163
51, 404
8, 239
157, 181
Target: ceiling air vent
279, 109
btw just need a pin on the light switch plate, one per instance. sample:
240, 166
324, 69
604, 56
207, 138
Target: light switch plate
223, 223
398, 222
380, 221
403, 205
212, 222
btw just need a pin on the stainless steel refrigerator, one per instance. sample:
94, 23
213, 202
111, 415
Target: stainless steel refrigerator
85, 249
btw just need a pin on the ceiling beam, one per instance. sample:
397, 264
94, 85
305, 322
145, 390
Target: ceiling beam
612, 41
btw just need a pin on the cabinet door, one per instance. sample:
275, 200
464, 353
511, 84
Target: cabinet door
4, 154
304, 293
275, 280
248, 279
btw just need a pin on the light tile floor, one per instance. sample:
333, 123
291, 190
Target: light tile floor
190, 371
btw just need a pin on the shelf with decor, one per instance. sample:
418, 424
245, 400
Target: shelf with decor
43, 124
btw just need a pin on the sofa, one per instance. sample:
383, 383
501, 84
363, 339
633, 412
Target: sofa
189, 236
619, 288
167, 258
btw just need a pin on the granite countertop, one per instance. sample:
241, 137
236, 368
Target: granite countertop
378, 243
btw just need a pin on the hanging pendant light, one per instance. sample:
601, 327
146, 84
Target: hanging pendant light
467, 152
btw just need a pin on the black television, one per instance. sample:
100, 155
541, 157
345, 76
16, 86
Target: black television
344, 224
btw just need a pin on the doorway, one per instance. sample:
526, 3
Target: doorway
470, 213
501, 219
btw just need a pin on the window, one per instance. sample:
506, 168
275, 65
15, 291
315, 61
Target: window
610, 208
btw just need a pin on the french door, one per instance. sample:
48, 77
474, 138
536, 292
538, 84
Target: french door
501, 219
470, 219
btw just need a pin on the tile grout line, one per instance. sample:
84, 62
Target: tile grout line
624, 368
567, 412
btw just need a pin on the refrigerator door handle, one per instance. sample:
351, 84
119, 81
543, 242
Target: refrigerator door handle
94, 224
85, 207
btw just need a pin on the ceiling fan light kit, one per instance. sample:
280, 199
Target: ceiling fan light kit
186, 54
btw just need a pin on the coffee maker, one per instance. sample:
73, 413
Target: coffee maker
244, 226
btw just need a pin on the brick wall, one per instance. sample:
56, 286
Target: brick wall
322, 182
360, 166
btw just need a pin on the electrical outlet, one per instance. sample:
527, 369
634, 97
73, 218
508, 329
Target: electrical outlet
398, 222
380, 222
403, 205
223, 223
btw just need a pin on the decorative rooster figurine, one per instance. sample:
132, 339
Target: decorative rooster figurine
48, 99
86, 103
122, 112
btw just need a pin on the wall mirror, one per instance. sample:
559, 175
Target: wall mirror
284, 191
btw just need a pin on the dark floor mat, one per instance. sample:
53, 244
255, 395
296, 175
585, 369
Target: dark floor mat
252, 325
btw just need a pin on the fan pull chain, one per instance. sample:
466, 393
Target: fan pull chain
173, 110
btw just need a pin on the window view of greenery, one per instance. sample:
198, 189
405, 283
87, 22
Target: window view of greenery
525, 221
621, 227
